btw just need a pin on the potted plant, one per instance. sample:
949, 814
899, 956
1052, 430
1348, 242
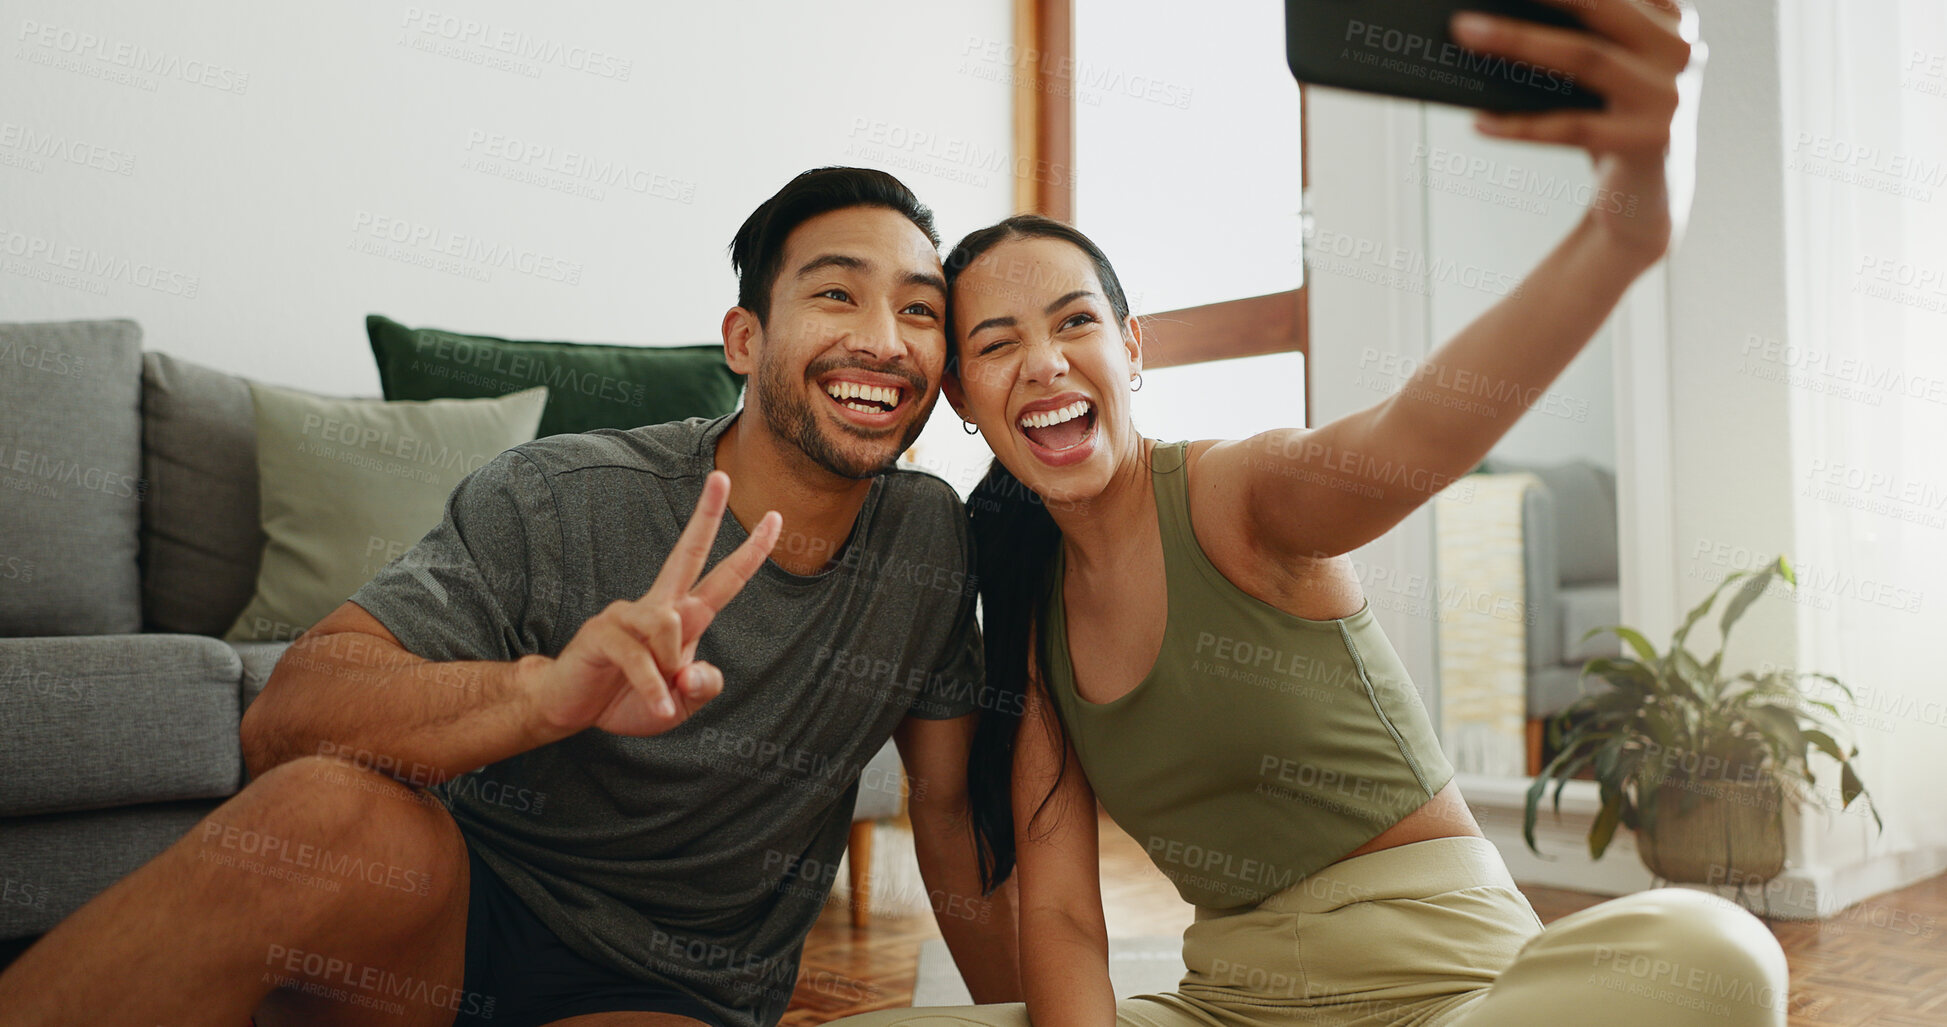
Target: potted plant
1698, 764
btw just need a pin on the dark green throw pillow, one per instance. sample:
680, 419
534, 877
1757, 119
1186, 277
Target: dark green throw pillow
589, 386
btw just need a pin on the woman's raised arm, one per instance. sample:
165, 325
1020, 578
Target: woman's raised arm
1326, 491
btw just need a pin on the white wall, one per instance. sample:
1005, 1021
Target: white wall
1494, 209
255, 150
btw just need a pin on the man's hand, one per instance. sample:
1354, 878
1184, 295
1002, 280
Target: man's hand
631, 669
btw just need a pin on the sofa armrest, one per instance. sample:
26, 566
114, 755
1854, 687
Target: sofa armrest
259, 659
1542, 577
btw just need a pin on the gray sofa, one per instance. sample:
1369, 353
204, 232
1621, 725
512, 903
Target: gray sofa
129, 542
1570, 567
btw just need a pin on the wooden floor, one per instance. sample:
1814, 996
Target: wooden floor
1881, 962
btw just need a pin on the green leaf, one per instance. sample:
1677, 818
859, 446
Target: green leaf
1746, 596
1642, 647
1825, 744
1528, 816
1835, 682
1850, 788
1605, 761
1696, 680
1562, 758
1697, 613
1631, 681
1604, 828
1780, 726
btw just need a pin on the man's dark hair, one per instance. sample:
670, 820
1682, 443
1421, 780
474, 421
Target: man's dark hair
757, 252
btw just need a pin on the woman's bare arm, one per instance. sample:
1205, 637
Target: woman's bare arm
1326, 491
1064, 939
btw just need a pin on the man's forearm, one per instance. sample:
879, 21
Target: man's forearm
357, 696
980, 930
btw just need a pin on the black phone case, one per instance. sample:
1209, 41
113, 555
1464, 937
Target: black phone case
1403, 48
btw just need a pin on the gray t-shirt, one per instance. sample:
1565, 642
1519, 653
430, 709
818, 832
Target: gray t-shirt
700, 857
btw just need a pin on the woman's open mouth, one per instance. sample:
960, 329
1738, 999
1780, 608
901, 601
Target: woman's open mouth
1062, 435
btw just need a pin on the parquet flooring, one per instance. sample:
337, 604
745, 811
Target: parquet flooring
1882, 962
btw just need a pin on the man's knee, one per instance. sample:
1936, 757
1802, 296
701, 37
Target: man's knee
330, 829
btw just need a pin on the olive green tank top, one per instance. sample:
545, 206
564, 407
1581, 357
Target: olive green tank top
1261, 746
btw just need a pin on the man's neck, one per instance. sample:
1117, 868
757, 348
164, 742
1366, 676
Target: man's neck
769, 473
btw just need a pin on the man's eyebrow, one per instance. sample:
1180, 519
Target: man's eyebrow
833, 260
1065, 300
852, 263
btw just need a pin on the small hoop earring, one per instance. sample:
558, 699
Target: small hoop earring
969, 427
1138, 386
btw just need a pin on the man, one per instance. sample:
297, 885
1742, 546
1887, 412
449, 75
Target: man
632, 820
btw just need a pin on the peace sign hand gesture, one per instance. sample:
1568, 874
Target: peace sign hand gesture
631, 669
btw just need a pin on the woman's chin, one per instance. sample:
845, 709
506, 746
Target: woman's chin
1072, 480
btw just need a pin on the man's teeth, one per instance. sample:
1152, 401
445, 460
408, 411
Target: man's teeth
1052, 417
843, 391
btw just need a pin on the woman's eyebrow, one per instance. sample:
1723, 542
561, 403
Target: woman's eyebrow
992, 322
1065, 300
1009, 322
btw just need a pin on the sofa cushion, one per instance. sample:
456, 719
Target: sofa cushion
111, 720
51, 865
589, 386
1584, 502
348, 485
201, 538
70, 486
1585, 607
1585, 521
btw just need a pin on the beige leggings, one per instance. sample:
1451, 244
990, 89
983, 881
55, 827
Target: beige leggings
1435, 933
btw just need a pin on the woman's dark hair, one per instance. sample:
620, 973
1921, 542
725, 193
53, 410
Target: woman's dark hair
757, 252
1015, 541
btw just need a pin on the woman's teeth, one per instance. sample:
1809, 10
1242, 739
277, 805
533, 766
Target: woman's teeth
1048, 418
861, 397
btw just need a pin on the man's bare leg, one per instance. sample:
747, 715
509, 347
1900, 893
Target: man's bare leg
298, 895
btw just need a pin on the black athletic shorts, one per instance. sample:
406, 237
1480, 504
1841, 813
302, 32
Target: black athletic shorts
518, 974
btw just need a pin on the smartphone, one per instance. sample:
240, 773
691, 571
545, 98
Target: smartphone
1403, 48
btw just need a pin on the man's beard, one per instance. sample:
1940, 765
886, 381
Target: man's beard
788, 413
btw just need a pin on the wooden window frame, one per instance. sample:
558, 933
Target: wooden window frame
1044, 183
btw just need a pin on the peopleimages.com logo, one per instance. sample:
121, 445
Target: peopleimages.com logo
1411, 46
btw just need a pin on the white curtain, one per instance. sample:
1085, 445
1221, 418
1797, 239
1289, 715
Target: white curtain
1864, 86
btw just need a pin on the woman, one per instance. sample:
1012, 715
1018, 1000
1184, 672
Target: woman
1248, 723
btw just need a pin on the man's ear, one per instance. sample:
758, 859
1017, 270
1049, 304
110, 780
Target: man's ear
1132, 340
956, 397
741, 335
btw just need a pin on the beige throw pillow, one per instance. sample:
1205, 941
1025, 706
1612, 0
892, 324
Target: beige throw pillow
348, 485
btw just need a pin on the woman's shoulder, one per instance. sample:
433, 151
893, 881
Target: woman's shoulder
1224, 523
